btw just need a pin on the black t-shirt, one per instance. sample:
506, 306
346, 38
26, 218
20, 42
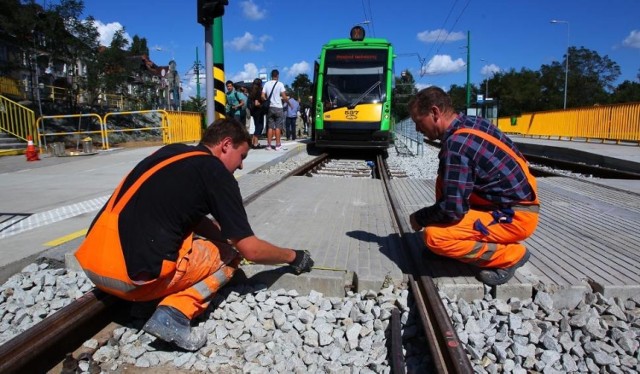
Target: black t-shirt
167, 207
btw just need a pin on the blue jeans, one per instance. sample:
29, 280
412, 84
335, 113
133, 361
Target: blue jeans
290, 126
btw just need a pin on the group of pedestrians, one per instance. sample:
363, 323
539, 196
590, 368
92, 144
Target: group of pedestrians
270, 103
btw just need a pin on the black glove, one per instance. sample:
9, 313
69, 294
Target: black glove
302, 263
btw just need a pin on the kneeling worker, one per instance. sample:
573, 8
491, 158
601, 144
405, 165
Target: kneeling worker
141, 245
486, 199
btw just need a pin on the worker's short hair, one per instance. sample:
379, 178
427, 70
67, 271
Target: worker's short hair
223, 128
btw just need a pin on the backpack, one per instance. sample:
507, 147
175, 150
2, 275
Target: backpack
243, 109
244, 106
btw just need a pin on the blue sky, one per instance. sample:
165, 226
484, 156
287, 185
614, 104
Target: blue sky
429, 37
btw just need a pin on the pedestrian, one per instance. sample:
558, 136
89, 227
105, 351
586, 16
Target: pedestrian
304, 115
153, 238
236, 103
245, 91
274, 92
292, 107
257, 112
486, 199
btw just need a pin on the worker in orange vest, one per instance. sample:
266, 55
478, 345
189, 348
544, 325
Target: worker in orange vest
486, 200
153, 239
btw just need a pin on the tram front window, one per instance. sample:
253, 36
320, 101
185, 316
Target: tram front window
349, 87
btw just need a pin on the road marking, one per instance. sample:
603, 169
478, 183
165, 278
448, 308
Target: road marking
66, 238
55, 215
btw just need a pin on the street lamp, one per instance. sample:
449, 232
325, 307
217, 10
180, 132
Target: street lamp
566, 68
366, 22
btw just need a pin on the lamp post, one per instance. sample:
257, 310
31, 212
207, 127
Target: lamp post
366, 22
566, 68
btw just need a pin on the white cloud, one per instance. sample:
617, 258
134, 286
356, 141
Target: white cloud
439, 35
248, 42
252, 11
443, 64
489, 70
107, 31
189, 86
301, 67
633, 40
249, 73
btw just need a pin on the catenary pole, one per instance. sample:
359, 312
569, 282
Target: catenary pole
218, 69
468, 69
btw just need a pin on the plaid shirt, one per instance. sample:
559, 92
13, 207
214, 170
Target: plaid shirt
469, 164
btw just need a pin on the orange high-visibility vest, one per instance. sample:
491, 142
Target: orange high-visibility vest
101, 255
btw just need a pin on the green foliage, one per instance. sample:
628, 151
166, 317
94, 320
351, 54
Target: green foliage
301, 87
626, 92
458, 96
405, 89
139, 46
195, 104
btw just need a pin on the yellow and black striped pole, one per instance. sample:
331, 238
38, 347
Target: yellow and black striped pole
218, 70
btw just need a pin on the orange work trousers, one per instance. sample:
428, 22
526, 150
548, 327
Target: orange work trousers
479, 238
497, 247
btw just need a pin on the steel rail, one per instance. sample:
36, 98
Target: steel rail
46, 343
301, 170
448, 353
397, 360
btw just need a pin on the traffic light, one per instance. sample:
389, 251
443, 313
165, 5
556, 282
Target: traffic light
210, 9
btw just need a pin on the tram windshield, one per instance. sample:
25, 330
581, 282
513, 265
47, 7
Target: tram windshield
354, 77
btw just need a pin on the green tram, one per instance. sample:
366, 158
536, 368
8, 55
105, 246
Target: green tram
353, 85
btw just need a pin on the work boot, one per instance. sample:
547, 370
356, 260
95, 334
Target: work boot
495, 277
171, 325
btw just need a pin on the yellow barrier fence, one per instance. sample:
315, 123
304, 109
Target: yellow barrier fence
45, 136
619, 123
173, 127
17, 120
184, 127
170, 126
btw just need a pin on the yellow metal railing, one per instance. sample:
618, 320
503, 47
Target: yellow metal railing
618, 122
20, 121
17, 120
176, 127
80, 133
184, 127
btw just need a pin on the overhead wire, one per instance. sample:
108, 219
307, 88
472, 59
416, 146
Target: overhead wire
368, 17
443, 29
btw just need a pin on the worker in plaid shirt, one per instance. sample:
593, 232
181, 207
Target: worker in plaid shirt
486, 199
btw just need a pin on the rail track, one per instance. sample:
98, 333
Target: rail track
49, 343
448, 354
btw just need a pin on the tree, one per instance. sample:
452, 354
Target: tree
626, 92
404, 91
114, 61
590, 79
518, 92
458, 96
302, 86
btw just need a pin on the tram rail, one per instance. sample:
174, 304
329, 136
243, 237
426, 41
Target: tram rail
447, 351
